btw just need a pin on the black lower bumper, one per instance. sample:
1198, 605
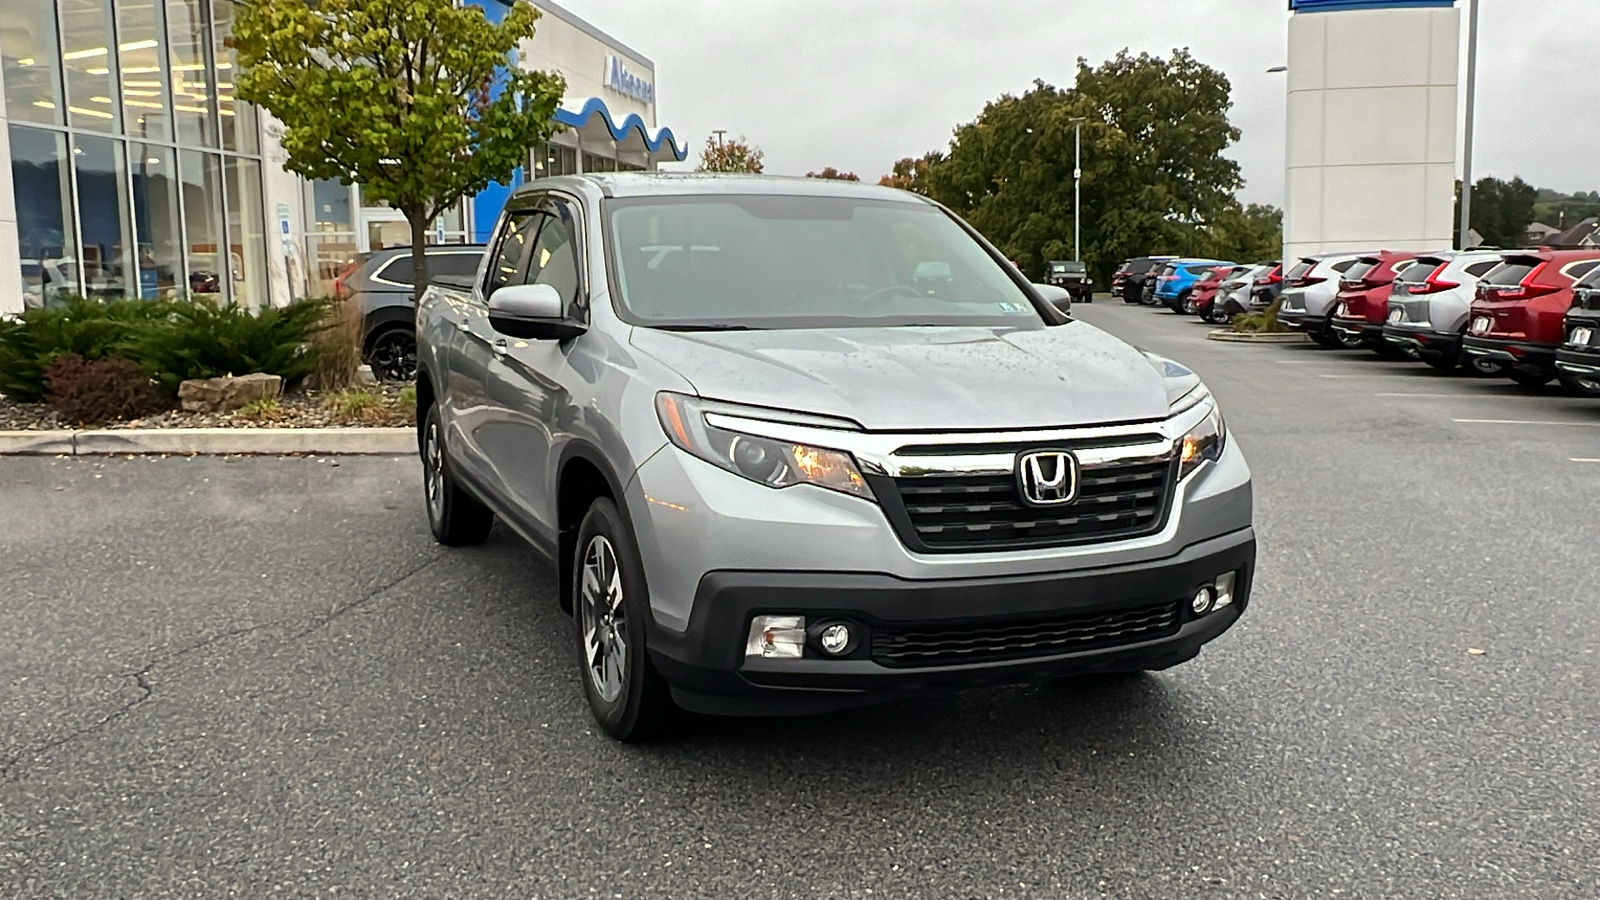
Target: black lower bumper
708, 671
1539, 357
1369, 332
1301, 321
1581, 362
1443, 343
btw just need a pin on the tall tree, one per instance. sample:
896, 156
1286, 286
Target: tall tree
1154, 179
833, 174
414, 100
1501, 211
737, 155
911, 173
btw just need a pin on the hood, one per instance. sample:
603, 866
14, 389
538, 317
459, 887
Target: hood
923, 378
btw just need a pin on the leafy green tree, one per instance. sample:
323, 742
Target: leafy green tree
833, 174
731, 156
911, 173
1154, 178
1247, 234
1501, 211
1560, 210
415, 100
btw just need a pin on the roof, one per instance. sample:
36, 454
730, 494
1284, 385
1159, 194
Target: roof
666, 184
565, 15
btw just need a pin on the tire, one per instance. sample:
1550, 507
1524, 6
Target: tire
1444, 362
1185, 304
1346, 341
1580, 386
393, 355
629, 698
1529, 379
1322, 339
456, 518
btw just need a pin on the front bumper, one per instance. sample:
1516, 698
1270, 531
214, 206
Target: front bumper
709, 672
1443, 343
1583, 362
1540, 357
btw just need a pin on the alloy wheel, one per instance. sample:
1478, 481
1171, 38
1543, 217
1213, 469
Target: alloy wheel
605, 625
433, 471
394, 356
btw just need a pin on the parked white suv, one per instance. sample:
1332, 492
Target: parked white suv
1430, 302
1310, 287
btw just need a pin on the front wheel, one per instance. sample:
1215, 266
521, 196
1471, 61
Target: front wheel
1581, 385
628, 697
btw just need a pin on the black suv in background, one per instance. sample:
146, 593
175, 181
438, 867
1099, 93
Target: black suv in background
1072, 276
381, 281
1578, 357
1131, 276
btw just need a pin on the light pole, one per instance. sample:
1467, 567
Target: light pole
1077, 183
1466, 149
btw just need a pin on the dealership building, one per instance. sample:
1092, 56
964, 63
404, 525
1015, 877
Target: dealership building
128, 169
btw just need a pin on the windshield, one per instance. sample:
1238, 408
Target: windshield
762, 261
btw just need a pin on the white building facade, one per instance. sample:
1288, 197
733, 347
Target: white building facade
1371, 116
127, 169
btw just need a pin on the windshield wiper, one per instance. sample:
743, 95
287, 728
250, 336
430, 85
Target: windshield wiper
705, 327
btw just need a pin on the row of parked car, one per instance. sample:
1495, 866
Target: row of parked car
1530, 315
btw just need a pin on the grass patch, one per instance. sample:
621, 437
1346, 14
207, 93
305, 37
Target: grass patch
1263, 322
357, 406
267, 409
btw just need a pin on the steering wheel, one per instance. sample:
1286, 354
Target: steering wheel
889, 289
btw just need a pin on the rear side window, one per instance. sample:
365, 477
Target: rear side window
1479, 269
1578, 270
1199, 270
399, 270
1169, 270
1509, 273
1592, 279
453, 264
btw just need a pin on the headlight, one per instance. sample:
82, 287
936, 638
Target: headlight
1204, 441
777, 464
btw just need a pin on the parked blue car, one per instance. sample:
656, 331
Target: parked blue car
1178, 278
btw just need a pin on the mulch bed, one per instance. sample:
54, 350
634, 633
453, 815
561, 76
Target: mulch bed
302, 409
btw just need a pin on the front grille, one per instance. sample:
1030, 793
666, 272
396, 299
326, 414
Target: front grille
953, 645
985, 512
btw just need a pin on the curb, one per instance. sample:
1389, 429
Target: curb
1292, 337
212, 441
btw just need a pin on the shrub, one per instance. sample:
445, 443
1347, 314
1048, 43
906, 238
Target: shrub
99, 390
338, 344
85, 328
206, 340
1264, 322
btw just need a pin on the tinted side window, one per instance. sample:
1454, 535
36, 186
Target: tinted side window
510, 262
399, 270
453, 264
554, 260
1576, 271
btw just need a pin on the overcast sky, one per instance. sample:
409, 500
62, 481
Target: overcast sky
858, 84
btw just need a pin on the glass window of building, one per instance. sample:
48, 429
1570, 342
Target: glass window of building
237, 120
332, 241
30, 59
87, 55
200, 181
246, 232
44, 215
191, 80
102, 177
142, 52
156, 225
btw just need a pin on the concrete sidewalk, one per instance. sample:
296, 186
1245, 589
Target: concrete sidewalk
211, 441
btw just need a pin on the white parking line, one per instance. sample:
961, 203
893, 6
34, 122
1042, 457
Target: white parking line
1581, 459
1405, 394
1523, 422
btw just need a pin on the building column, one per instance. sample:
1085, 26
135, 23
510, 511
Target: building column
10, 237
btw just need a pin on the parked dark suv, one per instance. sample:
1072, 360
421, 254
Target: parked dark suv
1129, 280
1578, 357
1072, 276
381, 281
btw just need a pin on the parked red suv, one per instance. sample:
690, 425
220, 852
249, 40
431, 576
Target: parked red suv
1516, 318
1362, 303
1204, 292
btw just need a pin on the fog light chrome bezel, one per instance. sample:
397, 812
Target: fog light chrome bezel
1204, 600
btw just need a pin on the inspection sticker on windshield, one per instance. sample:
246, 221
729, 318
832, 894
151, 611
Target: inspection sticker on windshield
1008, 307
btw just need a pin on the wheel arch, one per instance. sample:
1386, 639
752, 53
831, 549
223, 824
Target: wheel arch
583, 476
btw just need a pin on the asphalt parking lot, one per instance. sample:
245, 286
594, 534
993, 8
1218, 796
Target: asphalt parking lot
259, 677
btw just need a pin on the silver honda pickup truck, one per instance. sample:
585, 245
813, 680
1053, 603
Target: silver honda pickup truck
792, 445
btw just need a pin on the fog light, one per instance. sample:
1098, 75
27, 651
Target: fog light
835, 639
1224, 590
777, 637
1201, 603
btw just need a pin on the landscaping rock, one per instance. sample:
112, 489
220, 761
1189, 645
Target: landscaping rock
229, 393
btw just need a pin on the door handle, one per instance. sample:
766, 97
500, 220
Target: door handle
463, 325
499, 347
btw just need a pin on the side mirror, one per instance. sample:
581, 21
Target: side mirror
1055, 296
531, 311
